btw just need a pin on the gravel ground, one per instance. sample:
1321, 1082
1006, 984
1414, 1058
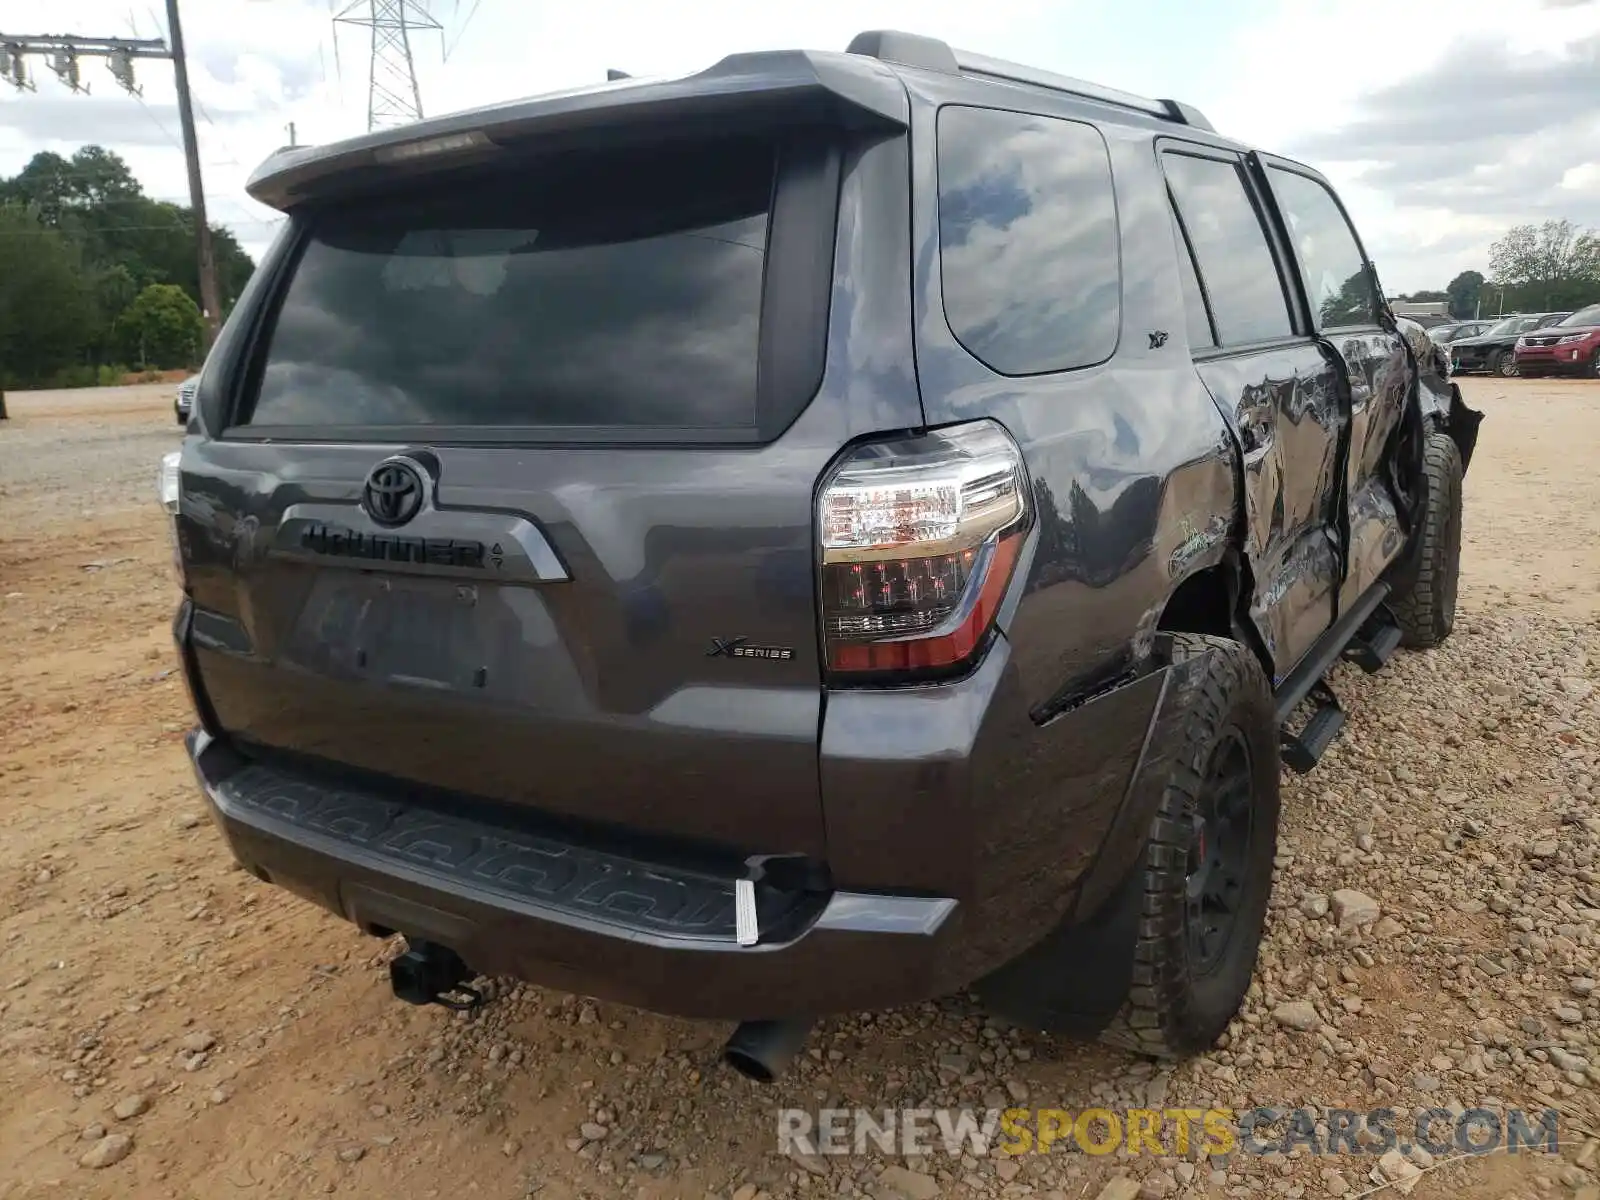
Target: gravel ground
78, 454
171, 1027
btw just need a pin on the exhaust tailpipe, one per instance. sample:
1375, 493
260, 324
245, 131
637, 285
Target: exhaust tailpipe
760, 1050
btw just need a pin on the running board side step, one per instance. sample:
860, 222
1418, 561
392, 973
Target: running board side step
1302, 751
1375, 642
1366, 633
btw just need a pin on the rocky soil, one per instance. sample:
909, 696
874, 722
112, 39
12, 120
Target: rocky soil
171, 1027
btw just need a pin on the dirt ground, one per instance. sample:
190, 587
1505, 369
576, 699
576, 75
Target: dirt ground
259, 1053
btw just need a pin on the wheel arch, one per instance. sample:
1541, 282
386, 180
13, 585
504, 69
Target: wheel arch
1214, 600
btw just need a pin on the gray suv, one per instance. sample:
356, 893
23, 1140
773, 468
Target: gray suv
827, 532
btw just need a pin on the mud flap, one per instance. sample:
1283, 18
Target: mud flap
1463, 426
1075, 980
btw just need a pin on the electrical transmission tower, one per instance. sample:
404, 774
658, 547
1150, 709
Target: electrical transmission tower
393, 97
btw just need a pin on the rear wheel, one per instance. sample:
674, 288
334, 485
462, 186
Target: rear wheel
1504, 363
1427, 612
1208, 864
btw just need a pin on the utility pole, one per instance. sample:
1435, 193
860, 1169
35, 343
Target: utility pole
292, 142
62, 52
210, 302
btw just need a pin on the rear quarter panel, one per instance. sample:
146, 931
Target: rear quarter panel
1132, 470
1132, 466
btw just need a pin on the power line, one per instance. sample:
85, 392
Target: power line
462, 32
50, 231
62, 53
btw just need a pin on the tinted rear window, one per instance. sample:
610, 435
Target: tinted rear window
602, 291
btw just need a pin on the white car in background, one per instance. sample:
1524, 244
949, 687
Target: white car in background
183, 403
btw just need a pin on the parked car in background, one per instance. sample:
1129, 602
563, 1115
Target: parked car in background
1495, 350
1569, 347
183, 402
1452, 331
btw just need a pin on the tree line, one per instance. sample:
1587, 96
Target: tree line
1534, 268
96, 278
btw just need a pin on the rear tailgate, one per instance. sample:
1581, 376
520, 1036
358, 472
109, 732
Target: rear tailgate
516, 496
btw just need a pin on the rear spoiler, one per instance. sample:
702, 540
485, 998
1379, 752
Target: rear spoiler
743, 91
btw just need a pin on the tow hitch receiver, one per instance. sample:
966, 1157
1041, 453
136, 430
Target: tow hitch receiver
431, 974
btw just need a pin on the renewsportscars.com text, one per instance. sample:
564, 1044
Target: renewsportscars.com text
1163, 1131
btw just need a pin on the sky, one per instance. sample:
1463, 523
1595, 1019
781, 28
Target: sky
1441, 124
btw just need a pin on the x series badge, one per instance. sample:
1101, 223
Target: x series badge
737, 648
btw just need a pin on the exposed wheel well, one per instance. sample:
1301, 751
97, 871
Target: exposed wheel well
1209, 601
1203, 603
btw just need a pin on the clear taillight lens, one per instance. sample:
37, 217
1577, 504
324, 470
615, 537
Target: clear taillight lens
167, 481
919, 538
169, 487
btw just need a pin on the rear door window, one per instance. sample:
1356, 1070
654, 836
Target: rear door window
1241, 278
1338, 283
614, 292
1028, 248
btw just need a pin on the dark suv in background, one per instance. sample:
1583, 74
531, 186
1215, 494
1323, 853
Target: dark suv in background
823, 533
1455, 330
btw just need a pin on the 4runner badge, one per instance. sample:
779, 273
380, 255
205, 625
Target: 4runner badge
736, 648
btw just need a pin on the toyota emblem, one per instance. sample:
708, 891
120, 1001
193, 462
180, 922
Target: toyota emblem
393, 493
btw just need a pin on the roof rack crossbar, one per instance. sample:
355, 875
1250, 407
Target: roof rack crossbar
914, 50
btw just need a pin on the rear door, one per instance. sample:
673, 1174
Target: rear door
1280, 390
516, 496
1347, 314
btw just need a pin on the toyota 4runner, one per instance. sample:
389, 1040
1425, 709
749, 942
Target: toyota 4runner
822, 533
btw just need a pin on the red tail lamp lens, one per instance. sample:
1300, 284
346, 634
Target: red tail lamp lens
920, 537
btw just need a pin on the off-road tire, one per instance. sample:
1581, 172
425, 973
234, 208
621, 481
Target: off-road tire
1171, 1009
1427, 613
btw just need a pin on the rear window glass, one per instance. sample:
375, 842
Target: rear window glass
1027, 240
599, 291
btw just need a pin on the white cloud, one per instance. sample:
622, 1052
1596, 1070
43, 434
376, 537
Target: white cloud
1272, 72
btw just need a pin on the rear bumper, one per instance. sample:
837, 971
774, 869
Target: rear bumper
590, 924
961, 833
1471, 360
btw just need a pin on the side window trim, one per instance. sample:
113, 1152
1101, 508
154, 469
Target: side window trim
1187, 247
1260, 167
1277, 248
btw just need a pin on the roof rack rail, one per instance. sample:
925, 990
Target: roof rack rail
932, 54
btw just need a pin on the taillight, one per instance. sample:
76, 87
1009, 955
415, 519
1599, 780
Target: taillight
920, 537
169, 485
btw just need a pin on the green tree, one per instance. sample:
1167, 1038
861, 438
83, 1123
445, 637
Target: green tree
44, 306
1550, 266
1463, 292
94, 197
161, 328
